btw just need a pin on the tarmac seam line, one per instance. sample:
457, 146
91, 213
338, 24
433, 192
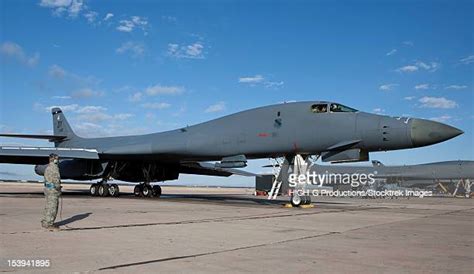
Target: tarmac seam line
214, 252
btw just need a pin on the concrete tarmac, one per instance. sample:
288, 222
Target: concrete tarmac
219, 230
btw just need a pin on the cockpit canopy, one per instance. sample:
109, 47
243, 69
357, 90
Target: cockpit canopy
333, 107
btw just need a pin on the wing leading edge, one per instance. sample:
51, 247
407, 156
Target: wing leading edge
39, 155
51, 138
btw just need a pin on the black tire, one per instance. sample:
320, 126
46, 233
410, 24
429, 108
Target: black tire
137, 191
296, 200
307, 200
103, 190
93, 190
114, 190
303, 200
147, 191
156, 189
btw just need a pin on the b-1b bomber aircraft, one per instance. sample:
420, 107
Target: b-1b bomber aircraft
334, 132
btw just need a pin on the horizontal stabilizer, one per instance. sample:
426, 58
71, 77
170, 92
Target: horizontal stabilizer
51, 138
40, 155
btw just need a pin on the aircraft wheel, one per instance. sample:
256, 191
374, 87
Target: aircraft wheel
147, 191
103, 190
137, 190
156, 191
307, 200
303, 200
93, 190
296, 200
114, 190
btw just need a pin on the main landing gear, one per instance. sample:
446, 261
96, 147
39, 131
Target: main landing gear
147, 190
102, 189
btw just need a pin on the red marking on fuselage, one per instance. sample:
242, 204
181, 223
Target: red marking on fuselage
263, 135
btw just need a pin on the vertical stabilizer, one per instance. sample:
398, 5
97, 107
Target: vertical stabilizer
62, 128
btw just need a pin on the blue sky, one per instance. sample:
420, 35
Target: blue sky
130, 67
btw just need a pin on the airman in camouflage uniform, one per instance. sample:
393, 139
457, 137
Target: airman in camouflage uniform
52, 191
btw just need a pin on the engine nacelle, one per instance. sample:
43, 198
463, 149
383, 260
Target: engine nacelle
75, 169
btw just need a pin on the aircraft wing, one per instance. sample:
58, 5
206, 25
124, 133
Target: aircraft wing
51, 138
40, 155
203, 168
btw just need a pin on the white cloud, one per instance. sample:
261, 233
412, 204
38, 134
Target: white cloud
156, 105
260, 80
408, 43
85, 128
57, 72
90, 109
75, 8
194, 49
136, 49
422, 86
431, 66
86, 120
191, 51
65, 108
163, 90
123, 116
379, 110
252, 79
409, 68
132, 23
91, 16
94, 117
61, 97
126, 26
276, 85
15, 51
387, 87
86, 93
443, 118
220, 106
98, 115
136, 97
108, 16
437, 102
59, 7
94, 129
456, 87
392, 52
82, 86
169, 18
467, 60
409, 98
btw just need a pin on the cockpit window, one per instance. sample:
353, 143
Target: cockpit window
319, 108
341, 108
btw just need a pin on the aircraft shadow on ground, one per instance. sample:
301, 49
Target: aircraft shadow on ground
215, 198
74, 218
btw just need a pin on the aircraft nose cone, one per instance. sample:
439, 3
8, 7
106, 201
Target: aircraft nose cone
426, 132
